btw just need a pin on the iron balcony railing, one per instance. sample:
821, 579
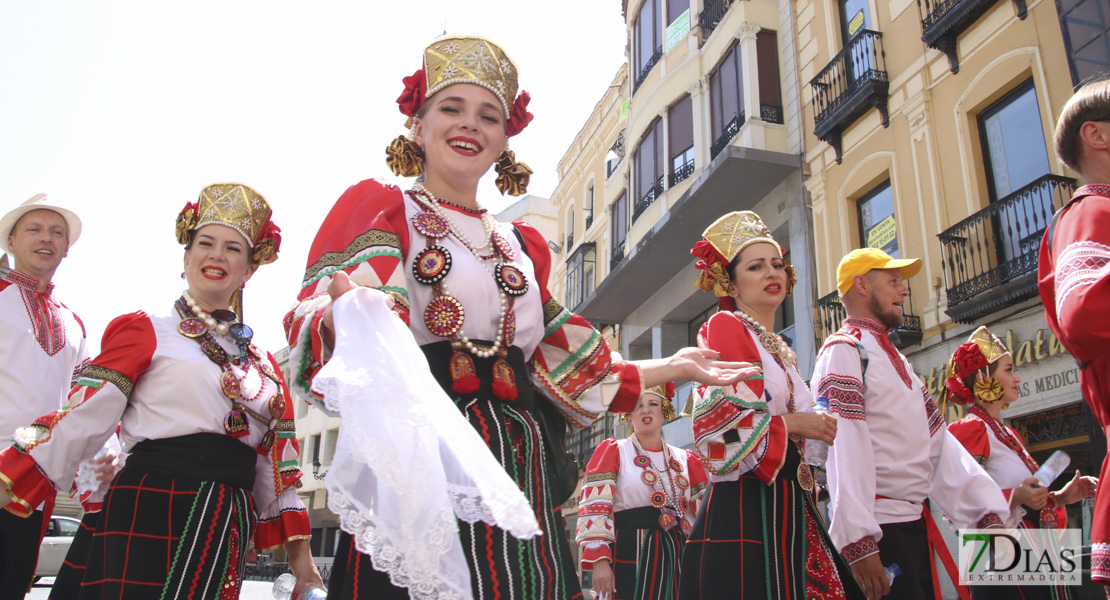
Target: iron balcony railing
618, 255
647, 68
727, 134
853, 82
648, 199
830, 314
771, 113
680, 174
943, 21
712, 15
997, 247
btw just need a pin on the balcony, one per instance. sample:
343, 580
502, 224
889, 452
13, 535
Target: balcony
990, 258
681, 173
648, 199
712, 15
727, 134
944, 20
854, 82
647, 68
830, 313
618, 255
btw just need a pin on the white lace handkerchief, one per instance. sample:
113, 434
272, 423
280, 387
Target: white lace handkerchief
407, 462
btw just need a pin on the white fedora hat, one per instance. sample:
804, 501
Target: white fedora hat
36, 202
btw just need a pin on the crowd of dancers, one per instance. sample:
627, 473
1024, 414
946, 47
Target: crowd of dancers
179, 437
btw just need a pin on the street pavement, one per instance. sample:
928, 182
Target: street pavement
252, 590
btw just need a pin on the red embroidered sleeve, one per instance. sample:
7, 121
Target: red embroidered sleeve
595, 532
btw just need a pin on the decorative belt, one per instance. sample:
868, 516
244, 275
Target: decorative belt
198, 457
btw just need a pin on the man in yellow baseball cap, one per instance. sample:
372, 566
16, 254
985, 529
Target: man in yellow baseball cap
872, 284
884, 463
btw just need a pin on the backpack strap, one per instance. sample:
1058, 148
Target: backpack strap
844, 336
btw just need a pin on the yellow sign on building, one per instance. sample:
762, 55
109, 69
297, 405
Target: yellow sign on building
883, 233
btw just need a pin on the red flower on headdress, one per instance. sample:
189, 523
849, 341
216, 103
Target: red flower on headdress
968, 359
270, 231
708, 255
186, 222
519, 117
416, 90
267, 244
957, 391
669, 390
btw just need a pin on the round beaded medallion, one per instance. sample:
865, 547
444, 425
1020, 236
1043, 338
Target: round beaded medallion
444, 316
649, 477
511, 280
192, 327
681, 482
676, 466
431, 225
230, 385
277, 406
658, 499
431, 265
641, 461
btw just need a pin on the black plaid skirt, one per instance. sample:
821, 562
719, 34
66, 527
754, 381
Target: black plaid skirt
163, 526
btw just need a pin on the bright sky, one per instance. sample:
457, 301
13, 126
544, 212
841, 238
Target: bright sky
124, 110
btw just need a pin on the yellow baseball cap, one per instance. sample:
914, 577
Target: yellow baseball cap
862, 260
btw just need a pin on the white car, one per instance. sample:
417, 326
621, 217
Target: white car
55, 545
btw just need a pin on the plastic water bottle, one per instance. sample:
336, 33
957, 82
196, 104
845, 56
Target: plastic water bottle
817, 452
283, 589
1052, 468
891, 572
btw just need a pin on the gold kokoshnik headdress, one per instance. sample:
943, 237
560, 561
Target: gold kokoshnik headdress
464, 59
974, 357
721, 243
664, 391
236, 206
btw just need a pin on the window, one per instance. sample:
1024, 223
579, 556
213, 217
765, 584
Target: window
1015, 154
315, 448
726, 102
675, 8
648, 45
580, 274
680, 126
66, 528
619, 225
784, 316
588, 209
770, 94
332, 437
647, 163
877, 227
570, 229
1086, 25
854, 18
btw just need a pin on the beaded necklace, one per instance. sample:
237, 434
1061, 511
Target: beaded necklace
666, 503
786, 359
236, 422
444, 315
1005, 436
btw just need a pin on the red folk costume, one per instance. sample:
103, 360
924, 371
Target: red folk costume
208, 425
758, 532
636, 508
1074, 264
495, 340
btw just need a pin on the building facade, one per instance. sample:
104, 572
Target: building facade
929, 130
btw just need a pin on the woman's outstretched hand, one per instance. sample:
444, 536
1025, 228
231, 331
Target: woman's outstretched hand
705, 366
340, 284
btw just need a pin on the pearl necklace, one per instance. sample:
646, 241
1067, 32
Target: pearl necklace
771, 341
488, 223
200, 313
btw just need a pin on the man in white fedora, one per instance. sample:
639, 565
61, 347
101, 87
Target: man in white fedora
42, 351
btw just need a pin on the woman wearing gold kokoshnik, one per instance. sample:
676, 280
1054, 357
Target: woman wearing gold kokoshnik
757, 533
428, 326
981, 376
206, 420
